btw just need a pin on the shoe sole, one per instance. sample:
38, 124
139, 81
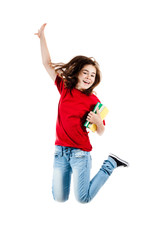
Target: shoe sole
119, 159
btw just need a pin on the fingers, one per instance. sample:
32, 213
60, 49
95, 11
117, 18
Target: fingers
41, 30
90, 115
98, 112
43, 26
37, 34
93, 117
88, 119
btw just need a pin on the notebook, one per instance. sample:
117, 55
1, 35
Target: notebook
103, 112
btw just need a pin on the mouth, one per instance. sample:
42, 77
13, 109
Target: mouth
86, 82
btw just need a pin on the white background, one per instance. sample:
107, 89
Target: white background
124, 38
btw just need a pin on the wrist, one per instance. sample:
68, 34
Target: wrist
100, 128
41, 36
99, 123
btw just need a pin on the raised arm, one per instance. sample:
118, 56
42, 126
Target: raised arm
46, 60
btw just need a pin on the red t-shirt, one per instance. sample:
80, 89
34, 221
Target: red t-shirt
73, 109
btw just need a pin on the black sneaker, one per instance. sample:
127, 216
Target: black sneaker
119, 161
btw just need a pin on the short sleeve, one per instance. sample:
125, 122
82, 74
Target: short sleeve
59, 84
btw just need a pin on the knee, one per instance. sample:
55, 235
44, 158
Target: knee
59, 193
60, 199
83, 200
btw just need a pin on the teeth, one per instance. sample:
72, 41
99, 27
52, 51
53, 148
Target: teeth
86, 82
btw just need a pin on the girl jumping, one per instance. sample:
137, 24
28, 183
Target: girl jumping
75, 82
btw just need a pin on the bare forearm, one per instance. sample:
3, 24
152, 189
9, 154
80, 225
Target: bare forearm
44, 50
45, 53
100, 128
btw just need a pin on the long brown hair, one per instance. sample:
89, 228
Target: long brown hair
69, 72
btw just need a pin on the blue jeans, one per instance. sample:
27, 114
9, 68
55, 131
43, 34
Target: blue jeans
69, 160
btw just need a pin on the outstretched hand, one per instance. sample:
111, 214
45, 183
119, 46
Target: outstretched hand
41, 30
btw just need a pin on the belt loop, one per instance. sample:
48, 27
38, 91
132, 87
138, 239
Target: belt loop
62, 151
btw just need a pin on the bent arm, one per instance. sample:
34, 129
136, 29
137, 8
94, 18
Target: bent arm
100, 128
96, 119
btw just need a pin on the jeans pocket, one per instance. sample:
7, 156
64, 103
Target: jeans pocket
80, 159
79, 154
58, 151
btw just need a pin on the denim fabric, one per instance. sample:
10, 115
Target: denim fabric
74, 161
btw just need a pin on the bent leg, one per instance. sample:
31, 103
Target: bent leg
101, 177
85, 190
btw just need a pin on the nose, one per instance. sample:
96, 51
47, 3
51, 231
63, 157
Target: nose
88, 76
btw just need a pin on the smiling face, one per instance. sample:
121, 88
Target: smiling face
86, 77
